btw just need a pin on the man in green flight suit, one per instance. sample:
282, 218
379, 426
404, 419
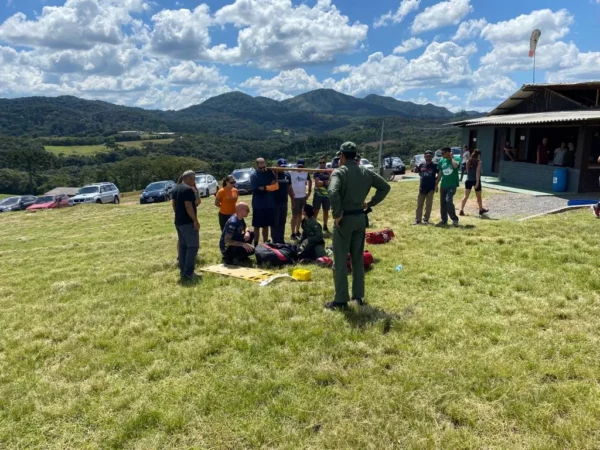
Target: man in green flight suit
348, 189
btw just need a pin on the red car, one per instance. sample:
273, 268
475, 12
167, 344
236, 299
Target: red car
50, 202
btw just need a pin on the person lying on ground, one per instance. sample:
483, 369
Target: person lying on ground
312, 243
235, 239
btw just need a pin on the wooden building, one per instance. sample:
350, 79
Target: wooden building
568, 113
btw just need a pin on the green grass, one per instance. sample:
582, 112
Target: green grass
488, 338
80, 150
83, 150
140, 144
2, 196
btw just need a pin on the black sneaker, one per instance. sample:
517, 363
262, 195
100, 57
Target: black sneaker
326, 230
455, 223
483, 211
461, 213
359, 300
425, 221
442, 224
333, 306
416, 222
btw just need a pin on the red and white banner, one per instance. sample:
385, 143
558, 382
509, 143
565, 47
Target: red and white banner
535, 37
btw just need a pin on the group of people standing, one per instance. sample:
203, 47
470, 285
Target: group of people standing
343, 192
443, 177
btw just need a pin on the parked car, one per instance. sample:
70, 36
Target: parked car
335, 162
367, 164
17, 203
416, 161
49, 202
97, 193
159, 191
206, 184
242, 178
455, 154
437, 156
396, 164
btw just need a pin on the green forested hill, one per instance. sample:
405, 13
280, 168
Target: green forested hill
233, 114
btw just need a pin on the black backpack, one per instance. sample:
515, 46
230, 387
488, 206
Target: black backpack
275, 254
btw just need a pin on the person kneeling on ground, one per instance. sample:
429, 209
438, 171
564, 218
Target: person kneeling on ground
235, 239
312, 244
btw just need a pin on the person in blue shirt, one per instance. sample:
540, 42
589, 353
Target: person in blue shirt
235, 239
263, 200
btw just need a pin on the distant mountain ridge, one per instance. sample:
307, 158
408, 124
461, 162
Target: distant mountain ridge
234, 113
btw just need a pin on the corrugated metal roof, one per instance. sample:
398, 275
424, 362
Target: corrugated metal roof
533, 118
527, 91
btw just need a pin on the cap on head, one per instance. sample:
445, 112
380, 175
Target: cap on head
429, 152
282, 162
300, 163
348, 147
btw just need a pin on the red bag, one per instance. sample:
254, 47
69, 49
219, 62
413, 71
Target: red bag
367, 261
380, 237
328, 262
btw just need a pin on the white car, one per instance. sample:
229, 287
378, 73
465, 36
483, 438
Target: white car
97, 193
367, 164
206, 184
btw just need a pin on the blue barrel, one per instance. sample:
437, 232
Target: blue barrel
559, 182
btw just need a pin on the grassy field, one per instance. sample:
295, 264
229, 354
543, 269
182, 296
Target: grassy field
488, 338
3, 196
93, 149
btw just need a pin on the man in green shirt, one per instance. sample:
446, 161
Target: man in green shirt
348, 189
448, 175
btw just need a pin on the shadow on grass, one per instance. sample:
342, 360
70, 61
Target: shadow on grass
368, 315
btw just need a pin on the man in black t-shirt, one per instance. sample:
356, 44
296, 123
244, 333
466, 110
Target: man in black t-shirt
281, 203
186, 224
428, 173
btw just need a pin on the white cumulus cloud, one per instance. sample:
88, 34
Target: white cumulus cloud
405, 8
78, 24
469, 29
409, 45
441, 14
274, 34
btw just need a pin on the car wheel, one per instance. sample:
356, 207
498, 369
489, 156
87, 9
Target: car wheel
207, 193
99, 201
116, 201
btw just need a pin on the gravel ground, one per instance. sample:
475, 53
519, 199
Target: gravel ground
506, 205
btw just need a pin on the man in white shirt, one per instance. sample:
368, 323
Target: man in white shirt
299, 182
559, 155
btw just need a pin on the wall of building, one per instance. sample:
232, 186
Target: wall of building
534, 176
485, 144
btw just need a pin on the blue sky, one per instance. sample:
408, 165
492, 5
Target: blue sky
170, 54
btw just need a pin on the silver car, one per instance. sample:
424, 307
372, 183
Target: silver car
97, 193
206, 184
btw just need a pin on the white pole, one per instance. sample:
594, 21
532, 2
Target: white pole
381, 149
533, 67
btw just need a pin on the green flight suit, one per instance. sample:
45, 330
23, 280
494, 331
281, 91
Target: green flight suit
312, 243
348, 190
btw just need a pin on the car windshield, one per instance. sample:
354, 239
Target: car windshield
200, 179
88, 190
456, 151
241, 174
10, 201
396, 159
155, 186
438, 153
419, 158
45, 199
365, 162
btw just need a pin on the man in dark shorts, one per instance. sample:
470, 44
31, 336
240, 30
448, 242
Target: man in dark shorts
235, 239
299, 182
186, 224
263, 200
284, 181
428, 173
321, 197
